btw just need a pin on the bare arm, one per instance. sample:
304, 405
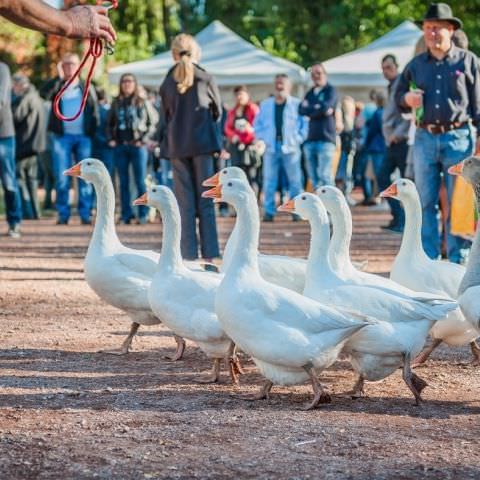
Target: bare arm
78, 22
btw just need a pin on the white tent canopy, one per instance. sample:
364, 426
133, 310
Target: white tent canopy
228, 57
361, 68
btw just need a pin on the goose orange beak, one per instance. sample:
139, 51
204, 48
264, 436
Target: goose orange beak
391, 191
215, 193
456, 169
212, 181
142, 200
75, 171
288, 207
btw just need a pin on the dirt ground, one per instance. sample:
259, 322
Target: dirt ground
68, 412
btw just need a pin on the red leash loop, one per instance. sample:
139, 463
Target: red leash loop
95, 50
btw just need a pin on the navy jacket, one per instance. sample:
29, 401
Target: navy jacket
192, 119
320, 109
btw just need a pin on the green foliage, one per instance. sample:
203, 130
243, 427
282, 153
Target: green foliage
303, 31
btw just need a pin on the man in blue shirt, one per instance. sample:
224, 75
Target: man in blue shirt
443, 86
71, 140
282, 130
319, 106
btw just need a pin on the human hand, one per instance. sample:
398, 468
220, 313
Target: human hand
235, 139
414, 99
112, 143
392, 139
224, 155
88, 21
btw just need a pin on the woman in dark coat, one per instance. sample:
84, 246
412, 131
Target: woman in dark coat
192, 108
130, 123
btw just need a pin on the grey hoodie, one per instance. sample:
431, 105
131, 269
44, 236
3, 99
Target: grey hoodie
6, 117
393, 122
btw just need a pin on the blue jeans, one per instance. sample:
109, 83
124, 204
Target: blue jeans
9, 181
319, 159
64, 147
137, 157
396, 157
377, 159
432, 156
273, 161
105, 153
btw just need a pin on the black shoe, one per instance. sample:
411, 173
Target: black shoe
295, 217
62, 221
14, 231
393, 227
268, 218
86, 221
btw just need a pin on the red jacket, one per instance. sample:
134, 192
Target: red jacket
250, 112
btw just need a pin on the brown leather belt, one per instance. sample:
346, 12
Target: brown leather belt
436, 129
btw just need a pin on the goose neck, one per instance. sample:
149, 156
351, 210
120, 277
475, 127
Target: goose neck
472, 274
104, 234
411, 245
170, 256
318, 264
244, 254
339, 251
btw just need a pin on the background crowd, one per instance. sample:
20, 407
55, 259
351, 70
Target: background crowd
182, 133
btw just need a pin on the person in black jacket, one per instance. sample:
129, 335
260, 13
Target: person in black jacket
30, 136
130, 123
71, 138
192, 107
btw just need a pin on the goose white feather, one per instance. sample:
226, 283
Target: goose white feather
378, 349
414, 269
288, 335
184, 298
119, 275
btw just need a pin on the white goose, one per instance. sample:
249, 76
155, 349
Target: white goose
469, 290
339, 251
288, 272
378, 349
290, 337
414, 269
185, 298
119, 275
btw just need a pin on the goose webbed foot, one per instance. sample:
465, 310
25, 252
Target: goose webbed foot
180, 349
234, 369
476, 354
320, 395
357, 391
413, 381
263, 393
425, 353
214, 375
127, 343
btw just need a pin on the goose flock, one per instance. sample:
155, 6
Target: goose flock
293, 317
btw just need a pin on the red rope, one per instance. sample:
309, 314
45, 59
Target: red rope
95, 50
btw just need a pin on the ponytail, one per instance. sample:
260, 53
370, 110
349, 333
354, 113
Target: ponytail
184, 72
186, 49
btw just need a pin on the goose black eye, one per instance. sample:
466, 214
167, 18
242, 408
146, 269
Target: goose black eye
404, 183
323, 190
224, 172
89, 163
154, 190
230, 184
304, 197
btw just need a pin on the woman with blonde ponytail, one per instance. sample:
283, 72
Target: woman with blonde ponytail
192, 108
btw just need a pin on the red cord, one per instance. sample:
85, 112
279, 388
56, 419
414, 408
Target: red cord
95, 50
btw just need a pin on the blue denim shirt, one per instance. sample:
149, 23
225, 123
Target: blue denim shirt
295, 126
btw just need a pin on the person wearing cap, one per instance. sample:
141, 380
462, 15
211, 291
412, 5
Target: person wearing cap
442, 86
30, 135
